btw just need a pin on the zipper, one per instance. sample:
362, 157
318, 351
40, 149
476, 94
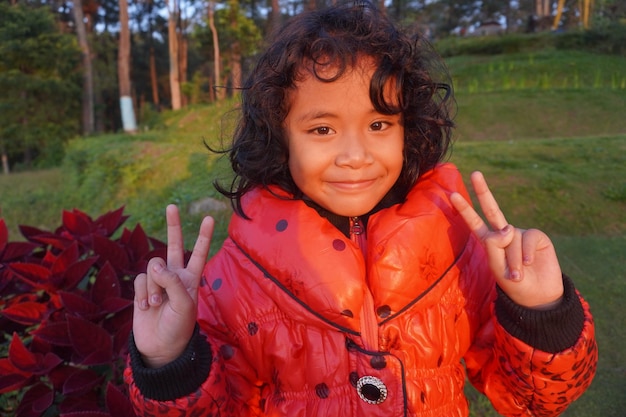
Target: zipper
369, 325
357, 234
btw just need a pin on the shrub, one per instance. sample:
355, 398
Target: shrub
66, 311
609, 39
493, 45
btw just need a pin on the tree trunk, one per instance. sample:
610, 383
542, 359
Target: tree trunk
88, 119
557, 17
235, 66
5, 162
154, 83
274, 20
586, 13
173, 10
123, 71
182, 65
220, 92
235, 52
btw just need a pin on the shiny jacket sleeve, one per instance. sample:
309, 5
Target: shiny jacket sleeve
529, 362
164, 392
208, 379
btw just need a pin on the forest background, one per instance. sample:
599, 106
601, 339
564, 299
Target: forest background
113, 65
97, 117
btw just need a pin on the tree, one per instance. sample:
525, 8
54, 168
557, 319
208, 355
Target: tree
154, 83
88, 88
123, 71
274, 18
583, 13
216, 48
39, 86
235, 51
173, 8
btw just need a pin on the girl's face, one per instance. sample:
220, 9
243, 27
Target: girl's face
343, 154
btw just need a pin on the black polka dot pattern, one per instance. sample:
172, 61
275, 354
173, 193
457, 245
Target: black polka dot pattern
281, 225
378, 362
383, 311
339, 245
253, 328
227, 352
322, 390
217, 284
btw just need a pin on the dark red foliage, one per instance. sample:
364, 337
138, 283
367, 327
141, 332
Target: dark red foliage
66, 310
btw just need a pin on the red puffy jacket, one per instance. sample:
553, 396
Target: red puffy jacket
301, 322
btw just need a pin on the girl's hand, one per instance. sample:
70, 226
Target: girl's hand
166, 296
524, 262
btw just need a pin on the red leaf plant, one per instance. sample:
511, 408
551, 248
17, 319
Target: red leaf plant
66, 314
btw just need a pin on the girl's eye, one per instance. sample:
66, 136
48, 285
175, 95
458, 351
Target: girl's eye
378, 125
322, 130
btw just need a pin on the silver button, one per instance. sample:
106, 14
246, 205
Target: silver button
371, 389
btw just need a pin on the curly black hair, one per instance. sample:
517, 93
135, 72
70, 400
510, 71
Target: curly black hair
339, 36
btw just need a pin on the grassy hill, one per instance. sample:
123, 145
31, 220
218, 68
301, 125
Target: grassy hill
546, 128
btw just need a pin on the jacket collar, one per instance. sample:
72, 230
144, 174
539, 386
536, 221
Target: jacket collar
343, 223
411, 247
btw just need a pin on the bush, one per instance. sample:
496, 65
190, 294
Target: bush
609, 39
493, 45
66, 310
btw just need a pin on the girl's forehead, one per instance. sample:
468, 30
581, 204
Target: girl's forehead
314, 79
327, 69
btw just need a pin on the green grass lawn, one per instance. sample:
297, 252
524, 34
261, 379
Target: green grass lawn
555, 158
575, 189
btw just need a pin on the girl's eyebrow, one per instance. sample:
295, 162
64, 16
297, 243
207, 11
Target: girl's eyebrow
315, 114
322, 114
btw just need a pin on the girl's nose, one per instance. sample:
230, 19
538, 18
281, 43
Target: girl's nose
353, 151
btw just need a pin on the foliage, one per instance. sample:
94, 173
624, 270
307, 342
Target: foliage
37, 74
607, 39
66, 307
492, 45
239, 39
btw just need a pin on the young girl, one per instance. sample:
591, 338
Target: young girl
356, 279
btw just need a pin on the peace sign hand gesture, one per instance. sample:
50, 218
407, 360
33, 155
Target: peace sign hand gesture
166, 296
524, 262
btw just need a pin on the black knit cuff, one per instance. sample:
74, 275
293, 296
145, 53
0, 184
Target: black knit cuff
551, 330
178, 378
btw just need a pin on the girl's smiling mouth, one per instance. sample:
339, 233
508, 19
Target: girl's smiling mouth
352, 185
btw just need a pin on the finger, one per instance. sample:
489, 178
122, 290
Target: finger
472, 219
201, 248
175, 246
513, 254
153, 287
488, 203
141, 292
